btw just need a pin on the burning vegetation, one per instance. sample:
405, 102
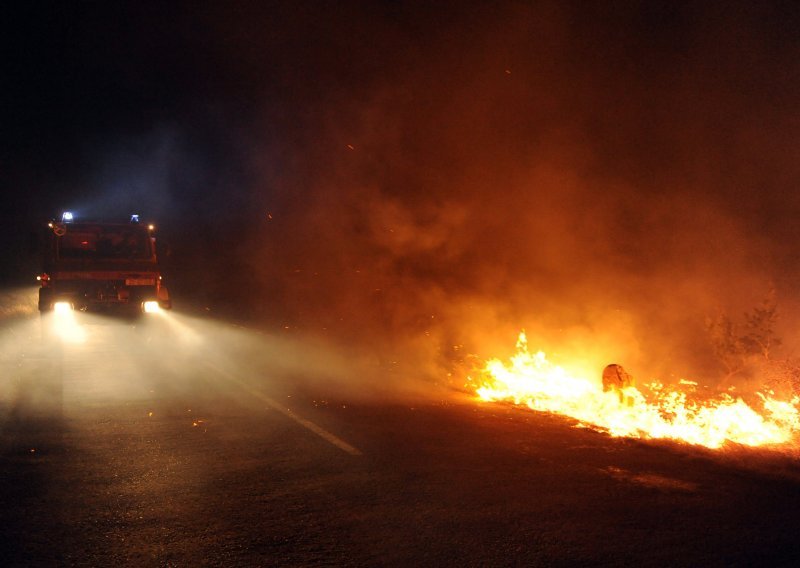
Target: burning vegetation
651, 411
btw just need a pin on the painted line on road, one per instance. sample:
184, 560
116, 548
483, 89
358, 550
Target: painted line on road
275, 405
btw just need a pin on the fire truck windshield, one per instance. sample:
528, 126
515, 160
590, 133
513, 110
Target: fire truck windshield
104, 242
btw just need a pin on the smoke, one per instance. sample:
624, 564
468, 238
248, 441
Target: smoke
419, 183
17, 303
596, 183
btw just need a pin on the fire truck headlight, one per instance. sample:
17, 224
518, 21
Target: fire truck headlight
62, 308
151, 307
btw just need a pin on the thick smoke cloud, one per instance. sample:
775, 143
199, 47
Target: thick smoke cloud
605, 181
422, 182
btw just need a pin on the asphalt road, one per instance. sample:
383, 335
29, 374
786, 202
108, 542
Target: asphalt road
198, 443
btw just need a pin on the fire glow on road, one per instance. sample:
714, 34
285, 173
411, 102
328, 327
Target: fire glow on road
532, 380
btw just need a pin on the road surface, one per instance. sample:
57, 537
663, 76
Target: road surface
196, 442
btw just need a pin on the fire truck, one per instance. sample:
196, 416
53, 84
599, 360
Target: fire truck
94, 266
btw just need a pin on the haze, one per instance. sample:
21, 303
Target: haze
424, 181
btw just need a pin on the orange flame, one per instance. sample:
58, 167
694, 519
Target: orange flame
532, 380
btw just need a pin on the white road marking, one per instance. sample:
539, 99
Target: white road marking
275, 405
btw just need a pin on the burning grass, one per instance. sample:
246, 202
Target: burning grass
647, 411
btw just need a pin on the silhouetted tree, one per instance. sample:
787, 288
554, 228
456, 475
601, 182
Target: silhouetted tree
738, 346
760, 336
726, 343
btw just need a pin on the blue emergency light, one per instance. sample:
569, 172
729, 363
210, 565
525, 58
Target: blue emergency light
134, 218
66, 217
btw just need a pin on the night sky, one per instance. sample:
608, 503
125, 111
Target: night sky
618, 170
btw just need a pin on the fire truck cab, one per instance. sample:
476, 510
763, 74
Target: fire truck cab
92, 265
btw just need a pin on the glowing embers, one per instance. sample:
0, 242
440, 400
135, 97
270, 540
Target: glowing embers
65, 324
532, 380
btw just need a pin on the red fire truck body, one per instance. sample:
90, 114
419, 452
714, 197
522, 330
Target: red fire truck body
100, 265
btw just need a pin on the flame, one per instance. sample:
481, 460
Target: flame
658, 412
